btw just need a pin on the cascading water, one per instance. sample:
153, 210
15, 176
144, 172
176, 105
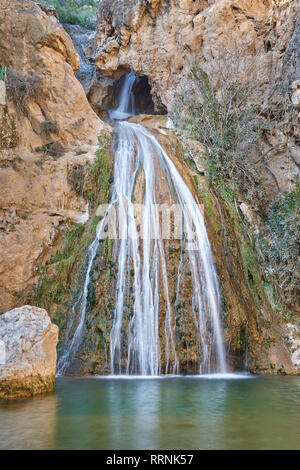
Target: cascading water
126, 99
138, 150
74, 332
141, 167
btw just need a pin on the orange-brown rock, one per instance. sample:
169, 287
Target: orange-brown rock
40, 136
163, 39
36, 203
33, 42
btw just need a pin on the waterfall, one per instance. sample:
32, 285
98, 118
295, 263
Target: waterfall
74, 332
142, 167
126, 99
138, 150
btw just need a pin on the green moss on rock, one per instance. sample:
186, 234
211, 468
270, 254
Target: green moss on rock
27, 387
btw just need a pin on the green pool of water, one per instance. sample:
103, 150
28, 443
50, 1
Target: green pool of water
168, 413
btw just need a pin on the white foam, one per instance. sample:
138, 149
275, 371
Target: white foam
216, 376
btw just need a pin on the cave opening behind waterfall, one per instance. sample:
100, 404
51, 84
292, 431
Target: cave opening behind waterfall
142, 96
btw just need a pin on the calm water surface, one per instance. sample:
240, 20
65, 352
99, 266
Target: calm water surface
167, 413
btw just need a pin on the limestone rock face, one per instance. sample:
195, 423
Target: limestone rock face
37, 204
163, 39
41, 137
28, 342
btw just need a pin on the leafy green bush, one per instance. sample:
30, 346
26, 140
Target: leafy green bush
78, 12
224, 122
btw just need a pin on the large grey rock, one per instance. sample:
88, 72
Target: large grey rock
28, 356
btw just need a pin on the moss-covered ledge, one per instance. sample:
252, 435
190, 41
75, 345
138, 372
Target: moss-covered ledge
29, 386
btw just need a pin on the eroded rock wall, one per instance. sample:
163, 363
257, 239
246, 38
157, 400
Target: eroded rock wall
163, 39
47, 129
98, 88
34, 43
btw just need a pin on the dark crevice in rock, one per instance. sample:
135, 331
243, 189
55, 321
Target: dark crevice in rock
143, 99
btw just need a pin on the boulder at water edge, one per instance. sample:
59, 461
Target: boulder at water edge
28, 342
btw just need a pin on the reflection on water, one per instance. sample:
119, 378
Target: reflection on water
169, 413
28, 424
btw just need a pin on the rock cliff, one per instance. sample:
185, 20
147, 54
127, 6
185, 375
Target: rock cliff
47, 128
252, 40
98, 88
41, 60
164, 39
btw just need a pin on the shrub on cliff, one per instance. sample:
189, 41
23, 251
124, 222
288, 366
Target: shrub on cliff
21, 88
49, 127
282, 250
226, 124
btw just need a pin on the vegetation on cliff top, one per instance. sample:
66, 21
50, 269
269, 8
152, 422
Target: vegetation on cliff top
81, 12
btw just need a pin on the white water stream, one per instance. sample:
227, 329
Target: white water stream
141, 249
